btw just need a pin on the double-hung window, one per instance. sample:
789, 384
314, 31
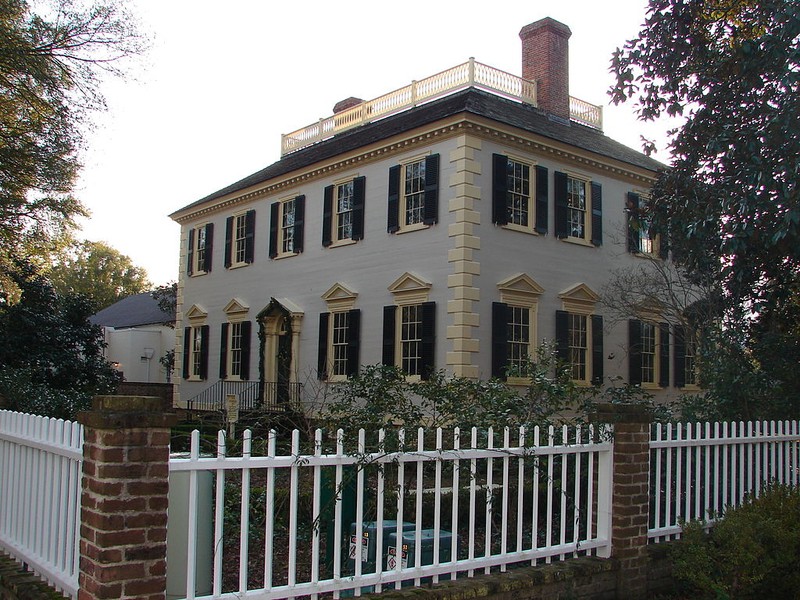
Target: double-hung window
339, 335
578, 208
413, 194
519, 194
579, 335
514, 327
195, 352
648, 353
234, 360
200, 249
240, 239
685, 358
343, 212
642, 238
287, 219
409, 328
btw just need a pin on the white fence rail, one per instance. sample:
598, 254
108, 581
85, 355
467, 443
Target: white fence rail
468, 74
697, 471
467, 502
40, 475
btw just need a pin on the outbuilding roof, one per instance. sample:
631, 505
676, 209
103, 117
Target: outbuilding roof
133, 311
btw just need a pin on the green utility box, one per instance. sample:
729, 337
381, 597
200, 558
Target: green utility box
408, 552
369, 539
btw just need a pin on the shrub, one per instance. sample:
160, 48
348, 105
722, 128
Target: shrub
752, 552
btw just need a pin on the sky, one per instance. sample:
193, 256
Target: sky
206, 106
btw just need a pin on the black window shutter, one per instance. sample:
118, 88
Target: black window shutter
190, 253
274, 217
204, 352
499, 339
499, 189
228, 242
634, 352
359, 200
299, 222
428, 349
597, 350
393, 221
389, 328
560, 202
679, 363
247, 328
632, 210
327, 216
209, 246
541, 199
353, 341
431, 208
597, 214
663, 370
249, 236
223, 351
322, 352
562, 335
187, 344
663, 244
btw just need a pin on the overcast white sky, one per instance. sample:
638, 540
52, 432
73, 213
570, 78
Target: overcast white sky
224, 80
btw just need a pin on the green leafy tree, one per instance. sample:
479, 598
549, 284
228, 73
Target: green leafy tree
52, 61
51, 356
98, 271
731, 200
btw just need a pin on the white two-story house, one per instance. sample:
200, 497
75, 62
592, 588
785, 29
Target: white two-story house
452, 224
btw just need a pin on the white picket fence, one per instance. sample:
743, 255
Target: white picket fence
40, 476
470, 501
699, 470
527, 497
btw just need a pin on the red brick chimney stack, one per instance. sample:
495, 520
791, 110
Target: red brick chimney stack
545, 59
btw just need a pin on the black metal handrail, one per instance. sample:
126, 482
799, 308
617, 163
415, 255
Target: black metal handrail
253, 395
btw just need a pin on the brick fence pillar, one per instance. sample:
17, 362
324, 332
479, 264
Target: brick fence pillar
630, 503
125, 483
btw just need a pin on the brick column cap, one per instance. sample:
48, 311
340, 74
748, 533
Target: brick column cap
128, 412
607, 412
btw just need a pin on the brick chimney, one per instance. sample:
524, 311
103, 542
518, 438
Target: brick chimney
545, 60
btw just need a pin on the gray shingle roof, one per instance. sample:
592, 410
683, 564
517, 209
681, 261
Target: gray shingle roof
474, 101
133, 311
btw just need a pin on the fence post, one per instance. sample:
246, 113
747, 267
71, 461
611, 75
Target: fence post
123, 534
630, 504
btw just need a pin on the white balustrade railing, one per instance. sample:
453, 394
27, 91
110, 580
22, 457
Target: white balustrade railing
325, 520
468, 74
697, 471
40, 479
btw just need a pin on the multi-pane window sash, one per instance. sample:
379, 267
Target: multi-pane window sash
200, 250
690, 360
414, 192
578, 345
287, 226
649, 350
519, 335
339, 342
240, 239
519, 192
411, 339
344, 211
576, 207
235, 346
197, 352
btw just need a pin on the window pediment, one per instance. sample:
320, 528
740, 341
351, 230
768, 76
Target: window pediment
339, 297
520, 289
196, 313
410, 289
579, 298
236, 308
